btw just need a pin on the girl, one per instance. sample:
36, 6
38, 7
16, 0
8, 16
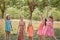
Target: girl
8, 26
40, 29
21, 28
49, 31
30, 31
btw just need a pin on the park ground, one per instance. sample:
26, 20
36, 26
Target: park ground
14, 33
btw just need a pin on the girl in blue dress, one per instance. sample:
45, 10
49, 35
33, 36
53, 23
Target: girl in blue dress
8, 26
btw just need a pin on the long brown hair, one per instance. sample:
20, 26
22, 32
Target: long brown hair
51, 18
7, 17
45, 21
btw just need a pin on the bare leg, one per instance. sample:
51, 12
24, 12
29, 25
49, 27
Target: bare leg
30, 38
54, 37
48, 38
41, 37
8, 35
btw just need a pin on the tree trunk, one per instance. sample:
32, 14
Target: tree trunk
43, 4
30, 17
3, 9
2, 13
30, 9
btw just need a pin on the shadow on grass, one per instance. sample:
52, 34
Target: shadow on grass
35, 37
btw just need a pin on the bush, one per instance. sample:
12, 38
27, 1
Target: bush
15, 13
56, 14
35, 14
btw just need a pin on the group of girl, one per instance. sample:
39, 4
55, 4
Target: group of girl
45, 28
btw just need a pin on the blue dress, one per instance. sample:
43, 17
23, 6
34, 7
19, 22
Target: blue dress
7, 26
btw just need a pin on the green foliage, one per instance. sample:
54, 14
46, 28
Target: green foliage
35, 15
20, 3
19, 7
16, 3
56, 14
55, 3
15, 13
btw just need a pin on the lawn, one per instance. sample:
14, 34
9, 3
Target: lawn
35, 24
35, 37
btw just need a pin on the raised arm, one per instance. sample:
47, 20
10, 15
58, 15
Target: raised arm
11, 24
41, 16
4, 16
47, 12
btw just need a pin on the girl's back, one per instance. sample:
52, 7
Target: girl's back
40, 29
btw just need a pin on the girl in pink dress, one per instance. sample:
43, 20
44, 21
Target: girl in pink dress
49, 31
21, 29
40, 28
30, 31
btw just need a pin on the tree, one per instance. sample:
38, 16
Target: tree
31, 5
43, 3
55, 3
2, 7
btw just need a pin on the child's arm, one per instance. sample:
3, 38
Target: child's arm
11, 25
25, 26
47, 12
41, 16
4, 16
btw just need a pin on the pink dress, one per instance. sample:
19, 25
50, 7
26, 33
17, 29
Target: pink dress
30, 31
21, 31
49, 31
40, 29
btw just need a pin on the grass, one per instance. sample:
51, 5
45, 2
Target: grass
35, 37
35, 24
